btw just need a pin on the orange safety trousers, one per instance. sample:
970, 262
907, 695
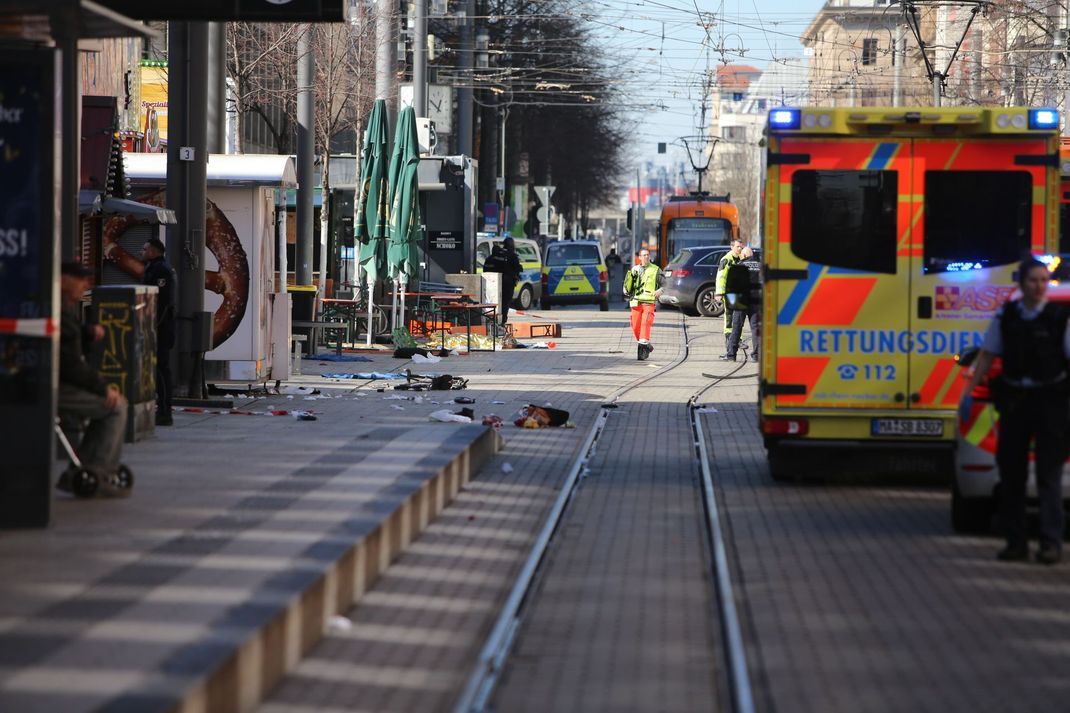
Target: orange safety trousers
643, 320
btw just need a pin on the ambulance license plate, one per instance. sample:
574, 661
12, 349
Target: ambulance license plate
907, 427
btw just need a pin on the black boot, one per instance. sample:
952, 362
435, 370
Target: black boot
641, 351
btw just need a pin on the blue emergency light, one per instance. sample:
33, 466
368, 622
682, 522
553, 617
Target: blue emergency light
785, 118
1043, 118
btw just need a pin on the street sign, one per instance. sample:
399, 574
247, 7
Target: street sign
250, 10
545, 193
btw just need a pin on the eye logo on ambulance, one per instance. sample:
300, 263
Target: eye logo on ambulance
954, 299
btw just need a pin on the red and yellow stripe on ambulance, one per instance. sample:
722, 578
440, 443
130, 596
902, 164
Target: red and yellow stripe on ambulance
879, 270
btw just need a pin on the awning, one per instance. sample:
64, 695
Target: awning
91, 203
150, 169
35, 21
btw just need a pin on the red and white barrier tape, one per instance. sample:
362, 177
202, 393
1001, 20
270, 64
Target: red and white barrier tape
45, 327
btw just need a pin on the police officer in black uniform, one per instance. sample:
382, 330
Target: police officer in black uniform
160, 274
1031, 336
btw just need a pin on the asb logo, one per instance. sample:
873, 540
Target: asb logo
955, 298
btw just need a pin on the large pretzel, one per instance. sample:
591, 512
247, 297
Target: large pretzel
231, 281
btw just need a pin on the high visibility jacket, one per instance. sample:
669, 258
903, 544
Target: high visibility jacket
641, 284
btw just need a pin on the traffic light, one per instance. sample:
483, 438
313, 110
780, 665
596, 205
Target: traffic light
631, 218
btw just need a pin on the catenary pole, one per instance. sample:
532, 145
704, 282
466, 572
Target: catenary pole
465, 100
187, 166
305, 157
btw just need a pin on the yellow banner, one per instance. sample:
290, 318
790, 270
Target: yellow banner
154, 107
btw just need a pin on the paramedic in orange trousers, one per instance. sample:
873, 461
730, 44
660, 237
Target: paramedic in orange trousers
642, 285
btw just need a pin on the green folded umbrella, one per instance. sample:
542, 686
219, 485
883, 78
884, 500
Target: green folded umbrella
373, 206
404, 228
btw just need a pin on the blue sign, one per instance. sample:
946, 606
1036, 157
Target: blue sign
490, 215
24, 159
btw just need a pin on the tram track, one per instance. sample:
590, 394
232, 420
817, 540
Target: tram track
495, 652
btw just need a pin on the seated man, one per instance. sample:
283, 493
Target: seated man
83, 394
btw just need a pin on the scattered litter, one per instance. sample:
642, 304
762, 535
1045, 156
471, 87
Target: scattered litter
426, 359
434, 382
467, 413
367, 375
706, 409
300, 415
339, 624
397, 398
542, 345
399, 407
499, 403
493, 421
340, 357
507, 467
464, 400
540, 417
299, 390
447, 416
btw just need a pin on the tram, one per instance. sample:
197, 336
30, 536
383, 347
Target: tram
693, 220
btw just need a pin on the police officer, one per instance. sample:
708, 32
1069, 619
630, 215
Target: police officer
159, 273
1031, 336
733, 257
642, 285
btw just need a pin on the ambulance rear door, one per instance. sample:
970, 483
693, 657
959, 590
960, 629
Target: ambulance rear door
838, 280
979, 206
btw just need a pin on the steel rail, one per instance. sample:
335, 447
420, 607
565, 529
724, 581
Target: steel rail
489, 664
492, 656
742, 697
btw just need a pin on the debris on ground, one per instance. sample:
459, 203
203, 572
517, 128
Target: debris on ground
507, 467
299, 390
339, 357
492, 421
464, 400
426, 358
339, 624
447, 416
533, 416
365, 375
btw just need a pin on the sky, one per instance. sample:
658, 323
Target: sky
664, 52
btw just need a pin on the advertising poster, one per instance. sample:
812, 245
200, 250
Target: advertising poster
154, 106
25, 222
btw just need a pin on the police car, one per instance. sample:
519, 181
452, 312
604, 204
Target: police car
528, 288
574, 271
974, 491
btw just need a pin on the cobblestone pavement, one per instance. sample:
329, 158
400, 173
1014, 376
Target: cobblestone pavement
862, 599
623, 618
127, 600
415, 638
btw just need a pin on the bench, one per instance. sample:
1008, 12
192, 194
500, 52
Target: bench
314, 327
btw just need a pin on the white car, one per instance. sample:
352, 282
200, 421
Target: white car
975, 490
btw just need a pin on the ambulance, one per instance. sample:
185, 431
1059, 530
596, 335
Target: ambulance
891, 237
